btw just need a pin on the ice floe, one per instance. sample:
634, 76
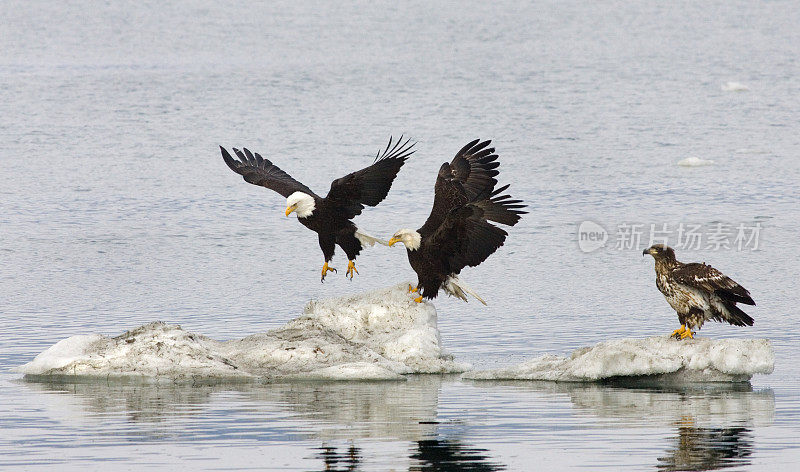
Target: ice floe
654, 359
377, 335
695, 162
734, 87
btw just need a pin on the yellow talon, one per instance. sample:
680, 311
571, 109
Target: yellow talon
412, 290
418, 299
351, 269
682, 333
678, 332
325, 270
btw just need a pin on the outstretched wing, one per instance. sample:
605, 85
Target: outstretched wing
369, 186
467, 237
708, 278
259, 171
470, 173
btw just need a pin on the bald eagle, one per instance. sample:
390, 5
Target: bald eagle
329, 217
698, 292
458, 232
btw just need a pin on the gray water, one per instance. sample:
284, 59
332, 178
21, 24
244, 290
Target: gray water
117, 210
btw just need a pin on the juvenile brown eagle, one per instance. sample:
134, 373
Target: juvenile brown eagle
698, 292
329, 217
458, 232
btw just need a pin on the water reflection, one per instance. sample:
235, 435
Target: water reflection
451, 456
428, 455
707, 448
708, 426
712, 422
335, 461
336, 410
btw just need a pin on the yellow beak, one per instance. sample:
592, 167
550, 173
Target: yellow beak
290, 209
393, 241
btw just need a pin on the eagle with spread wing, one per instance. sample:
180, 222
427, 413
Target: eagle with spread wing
698, 292
459, 231
329, 217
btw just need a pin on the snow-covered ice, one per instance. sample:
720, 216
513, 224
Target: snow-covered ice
377, 335
659, 359
695, 162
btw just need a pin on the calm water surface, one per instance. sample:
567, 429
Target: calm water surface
116, 210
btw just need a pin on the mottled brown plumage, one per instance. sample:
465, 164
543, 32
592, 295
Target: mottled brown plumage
698, 292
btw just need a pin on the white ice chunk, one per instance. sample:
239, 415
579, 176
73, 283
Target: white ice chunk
655, 358
377, 335
695, 162
734, 87
64, 352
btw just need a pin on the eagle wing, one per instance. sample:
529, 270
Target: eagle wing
467, 237
705, 277
259, 171
470, 173
369, 186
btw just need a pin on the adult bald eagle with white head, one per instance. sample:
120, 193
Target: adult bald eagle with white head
330, 217
459, 231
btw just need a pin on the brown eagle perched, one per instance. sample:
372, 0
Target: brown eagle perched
698, 292
329, 217
459, 232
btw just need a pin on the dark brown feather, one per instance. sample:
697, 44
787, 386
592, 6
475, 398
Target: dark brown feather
466, 237
369, 186
260, 171
708, 278
469, 174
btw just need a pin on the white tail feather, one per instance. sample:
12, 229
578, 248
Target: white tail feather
456, 287
367, 240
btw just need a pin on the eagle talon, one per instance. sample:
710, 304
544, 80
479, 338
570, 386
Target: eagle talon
351, 269
412, 290
418, 299
325, 270
682, 333
678, 332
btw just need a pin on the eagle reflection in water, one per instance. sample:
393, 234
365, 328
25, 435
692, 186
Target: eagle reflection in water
333, 460
430, 455
698, 448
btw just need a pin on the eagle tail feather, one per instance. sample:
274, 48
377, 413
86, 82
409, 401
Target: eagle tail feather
367, 240
737, 295
501, 208
456, 287
737, 317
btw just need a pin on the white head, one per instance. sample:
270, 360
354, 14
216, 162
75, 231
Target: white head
409, 237
300, 202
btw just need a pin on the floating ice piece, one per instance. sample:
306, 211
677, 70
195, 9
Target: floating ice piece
695, 162
734, 87
377, 335
658, 359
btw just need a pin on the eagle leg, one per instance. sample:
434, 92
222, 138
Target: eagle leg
412, 290
418, 299
351, 269
325, 270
